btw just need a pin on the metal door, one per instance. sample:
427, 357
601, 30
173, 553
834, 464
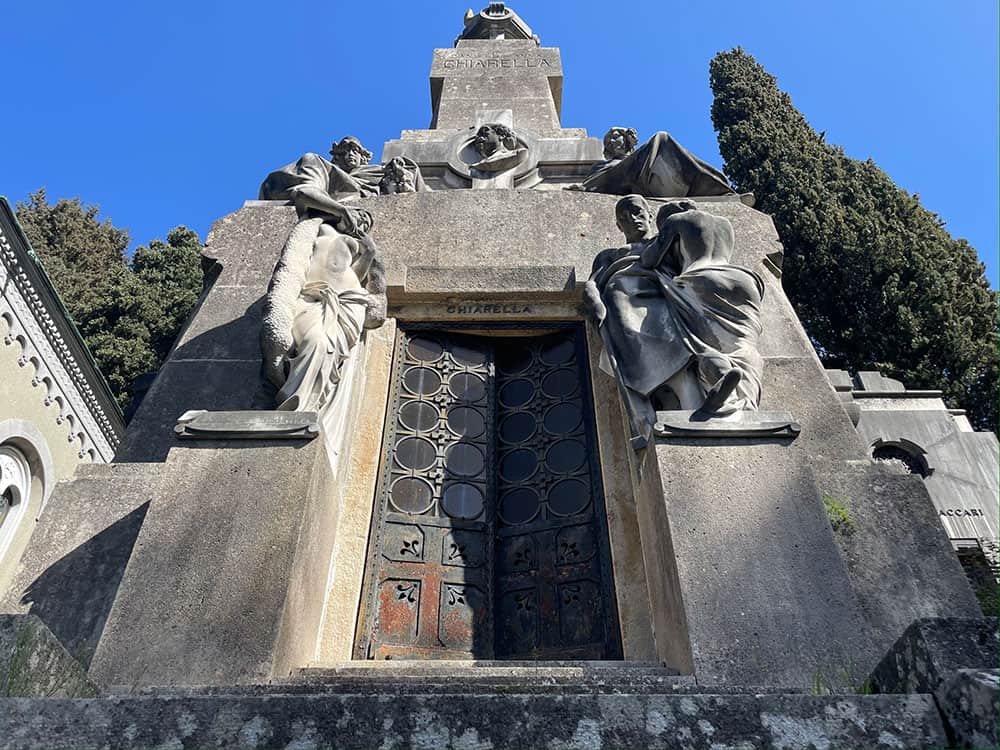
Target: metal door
489, 539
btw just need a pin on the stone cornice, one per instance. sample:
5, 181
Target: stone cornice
49, 341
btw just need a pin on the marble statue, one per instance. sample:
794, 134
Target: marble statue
679, 321
660, 168
497, 148
327, 288
318, 186
328, 285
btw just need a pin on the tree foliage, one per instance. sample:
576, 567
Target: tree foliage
128, 313
876, 279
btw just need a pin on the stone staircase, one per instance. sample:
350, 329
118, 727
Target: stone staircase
476, 705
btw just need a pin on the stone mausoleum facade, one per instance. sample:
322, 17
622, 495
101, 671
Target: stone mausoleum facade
510, 440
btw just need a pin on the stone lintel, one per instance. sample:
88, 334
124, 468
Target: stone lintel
247, 425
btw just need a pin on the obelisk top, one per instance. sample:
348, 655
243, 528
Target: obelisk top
495, 21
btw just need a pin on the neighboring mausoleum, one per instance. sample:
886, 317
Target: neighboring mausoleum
56, 410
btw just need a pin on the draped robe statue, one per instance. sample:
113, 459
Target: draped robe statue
328, 285
679, 321
660, 168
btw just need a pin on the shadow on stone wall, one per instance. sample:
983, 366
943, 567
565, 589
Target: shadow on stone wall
216, 367
74, 596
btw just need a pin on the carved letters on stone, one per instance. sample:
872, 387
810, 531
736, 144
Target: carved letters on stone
679, 322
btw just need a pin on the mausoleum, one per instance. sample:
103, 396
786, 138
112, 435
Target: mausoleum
510, 440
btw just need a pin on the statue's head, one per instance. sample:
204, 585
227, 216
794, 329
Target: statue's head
674, 207
619, 142
349, 154
634, 218
492, 136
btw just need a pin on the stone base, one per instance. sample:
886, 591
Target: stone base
452, 712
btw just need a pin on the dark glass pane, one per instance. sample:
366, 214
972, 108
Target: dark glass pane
467, 386
513, 359
519, 506
558, 353
462, 501
568, 497
565, 456
468, 355
516, 392
418, 415
518, 427
424, 350
464, 459
518, 465
466, 422
415, 453
560, 383
411, 495
421, 381
563, 418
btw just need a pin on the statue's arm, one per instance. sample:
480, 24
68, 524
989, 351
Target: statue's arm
366, 255
652, 256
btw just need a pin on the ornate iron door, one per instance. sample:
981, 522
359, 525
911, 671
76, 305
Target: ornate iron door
489, 538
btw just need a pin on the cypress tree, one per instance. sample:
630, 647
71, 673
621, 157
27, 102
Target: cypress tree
877, 281
128, 313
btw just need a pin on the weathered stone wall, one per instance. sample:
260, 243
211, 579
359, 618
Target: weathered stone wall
751, 587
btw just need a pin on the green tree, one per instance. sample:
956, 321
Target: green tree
128, 313
875, 278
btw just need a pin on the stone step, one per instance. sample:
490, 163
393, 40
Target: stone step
484, 720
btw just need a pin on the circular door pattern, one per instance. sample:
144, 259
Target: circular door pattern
421, 381
411, 495
464, 460
466, 422
418, 416
467, 386
462, 500
415, 453
424, 349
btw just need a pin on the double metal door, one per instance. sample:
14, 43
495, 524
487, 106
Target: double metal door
489, 537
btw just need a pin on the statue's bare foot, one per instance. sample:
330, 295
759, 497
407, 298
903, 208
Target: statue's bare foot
721, 391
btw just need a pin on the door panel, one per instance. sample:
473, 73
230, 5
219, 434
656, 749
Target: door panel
489, 539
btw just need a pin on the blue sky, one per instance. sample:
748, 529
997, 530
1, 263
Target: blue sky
172, 113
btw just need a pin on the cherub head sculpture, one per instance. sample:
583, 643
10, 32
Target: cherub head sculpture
619, 142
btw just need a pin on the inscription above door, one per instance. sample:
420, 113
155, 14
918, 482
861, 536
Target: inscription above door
489, 538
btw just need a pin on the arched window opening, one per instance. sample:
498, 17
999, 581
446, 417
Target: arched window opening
15, 489
910, 458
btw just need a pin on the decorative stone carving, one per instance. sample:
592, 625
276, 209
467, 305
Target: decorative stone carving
58, 357
679, 321
327, 288
397, 178
328, 285
497, 147
318, 186
660, 168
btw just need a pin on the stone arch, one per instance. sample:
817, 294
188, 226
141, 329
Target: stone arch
906, 451
27, 477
